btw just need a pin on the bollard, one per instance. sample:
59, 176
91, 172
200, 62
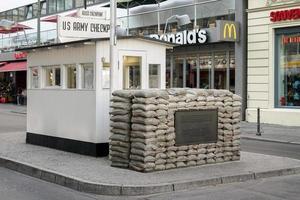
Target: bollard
258, 122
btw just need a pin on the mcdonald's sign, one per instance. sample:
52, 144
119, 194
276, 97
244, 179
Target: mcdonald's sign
228, 31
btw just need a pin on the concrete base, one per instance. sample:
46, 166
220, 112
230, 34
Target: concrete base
94, 175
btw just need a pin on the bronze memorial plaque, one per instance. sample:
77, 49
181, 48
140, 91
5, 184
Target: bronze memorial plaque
196, 126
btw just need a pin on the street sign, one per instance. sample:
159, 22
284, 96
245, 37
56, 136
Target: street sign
71, 27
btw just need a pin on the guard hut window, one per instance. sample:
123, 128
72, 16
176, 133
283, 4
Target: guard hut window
154, 76
34, 77
87, 76
52, 76
71, 76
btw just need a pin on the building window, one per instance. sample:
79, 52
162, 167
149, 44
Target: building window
53, 76
154, 76
132, 72
15, 15
191, 71
168, 71
288, 67
29, 12
21, 13
52, 6
60, 5
205, 63
87, 76
34, 77
71, 76
79, 3
178, 72
68, 4
43, 8
35, 9
220, 70
9, 15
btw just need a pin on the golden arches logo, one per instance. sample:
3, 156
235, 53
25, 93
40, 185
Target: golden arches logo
230, 30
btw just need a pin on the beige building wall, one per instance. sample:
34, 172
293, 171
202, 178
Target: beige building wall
261, 67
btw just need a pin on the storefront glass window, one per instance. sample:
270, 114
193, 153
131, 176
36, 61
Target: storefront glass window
205, 63
232, 71
34, 77
288, 69
178, 72
71, 76
220, 70
132, 72
87, 76
53, 76
191, 71
168, 72
154, 76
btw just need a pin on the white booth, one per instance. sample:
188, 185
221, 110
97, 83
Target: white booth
68, 89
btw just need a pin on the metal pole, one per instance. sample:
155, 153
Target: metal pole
258, 123
195, 14
158, 18
38, 38
113, 42
127, 18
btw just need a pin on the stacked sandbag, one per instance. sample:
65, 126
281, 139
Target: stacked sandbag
149, 142
148, 131
120, 128
236, 117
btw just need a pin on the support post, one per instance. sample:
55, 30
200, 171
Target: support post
258, 122
38, 38
113, 42
241, 54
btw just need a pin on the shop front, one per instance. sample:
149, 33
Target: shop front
13, 67
274, 62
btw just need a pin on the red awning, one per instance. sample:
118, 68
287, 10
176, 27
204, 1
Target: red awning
14, 66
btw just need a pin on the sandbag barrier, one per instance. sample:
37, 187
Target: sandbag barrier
143, 129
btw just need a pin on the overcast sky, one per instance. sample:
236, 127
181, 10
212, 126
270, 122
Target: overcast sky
9, 4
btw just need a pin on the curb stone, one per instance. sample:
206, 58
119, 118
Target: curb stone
269, 140
128, 190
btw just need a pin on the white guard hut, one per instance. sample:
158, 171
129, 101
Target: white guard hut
68, 89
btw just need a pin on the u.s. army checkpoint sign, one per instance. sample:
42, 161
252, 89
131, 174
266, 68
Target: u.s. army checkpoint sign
73, 27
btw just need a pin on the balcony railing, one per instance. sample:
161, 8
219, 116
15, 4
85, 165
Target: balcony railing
27, 40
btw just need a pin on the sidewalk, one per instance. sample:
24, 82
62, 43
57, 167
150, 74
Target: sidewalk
13, 108
94, 175
271, 132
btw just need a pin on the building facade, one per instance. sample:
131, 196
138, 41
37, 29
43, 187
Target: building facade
274, 61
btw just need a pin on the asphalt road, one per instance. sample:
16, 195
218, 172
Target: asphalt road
278, 188
271, 148
11, 122
15, 186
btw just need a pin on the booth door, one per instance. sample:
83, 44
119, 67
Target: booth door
133, 69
